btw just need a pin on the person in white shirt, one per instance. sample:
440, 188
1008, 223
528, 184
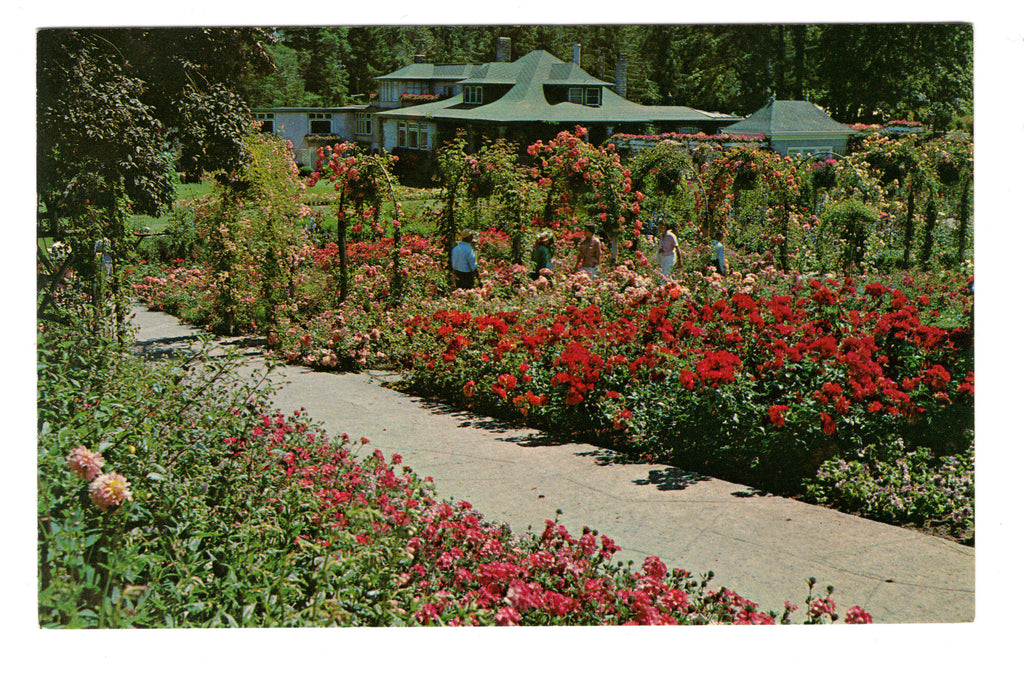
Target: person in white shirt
668, 249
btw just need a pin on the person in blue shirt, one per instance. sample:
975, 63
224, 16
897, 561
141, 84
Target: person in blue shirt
718, 250
464, 262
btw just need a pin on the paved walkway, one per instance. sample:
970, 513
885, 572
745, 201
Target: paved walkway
763, 547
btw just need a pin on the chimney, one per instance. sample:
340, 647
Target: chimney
504, 51
419, 59
620, 75
576, 54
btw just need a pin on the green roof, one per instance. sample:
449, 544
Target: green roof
429, 72
782, 117
526, 102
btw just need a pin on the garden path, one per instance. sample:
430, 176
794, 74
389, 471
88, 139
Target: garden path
761, 546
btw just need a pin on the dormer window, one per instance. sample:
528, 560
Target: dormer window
591, 97
473, 94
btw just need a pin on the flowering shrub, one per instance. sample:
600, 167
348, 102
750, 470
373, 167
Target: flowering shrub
803, 367
887, 482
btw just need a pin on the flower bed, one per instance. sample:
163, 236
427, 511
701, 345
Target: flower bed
762, 387
762, 378
170, 503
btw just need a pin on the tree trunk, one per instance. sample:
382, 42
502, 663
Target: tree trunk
931, 218
342, 252
908, 233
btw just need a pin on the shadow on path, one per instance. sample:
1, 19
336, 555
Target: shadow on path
671, 479
155, 349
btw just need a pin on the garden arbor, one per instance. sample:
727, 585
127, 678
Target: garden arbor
361, 180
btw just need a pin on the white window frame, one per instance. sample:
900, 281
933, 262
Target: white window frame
364, 124
473, 94
408, 131
264, 117
592, 97
318, 116
575, 95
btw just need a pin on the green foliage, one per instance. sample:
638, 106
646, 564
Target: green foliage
251, 233
845, 229
891, 483
112, 104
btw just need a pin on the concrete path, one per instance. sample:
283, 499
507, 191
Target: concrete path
763, 547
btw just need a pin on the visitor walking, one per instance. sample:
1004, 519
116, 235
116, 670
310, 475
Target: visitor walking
543, 249
668, 250
467, 275
718, 254
588, 259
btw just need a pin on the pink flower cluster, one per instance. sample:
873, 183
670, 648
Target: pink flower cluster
459, 569
105, 490
85, 463
109, 490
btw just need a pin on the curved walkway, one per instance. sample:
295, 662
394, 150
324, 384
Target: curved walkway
761, 546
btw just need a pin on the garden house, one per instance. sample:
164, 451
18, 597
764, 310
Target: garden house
422, 105
532, 98
795, 127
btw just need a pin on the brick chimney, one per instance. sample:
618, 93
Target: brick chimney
576, 54
504, 51
419, 59
620, 75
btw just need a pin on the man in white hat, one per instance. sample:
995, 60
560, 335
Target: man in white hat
464, 262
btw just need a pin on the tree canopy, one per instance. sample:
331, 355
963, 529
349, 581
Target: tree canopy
859, 72
121, 110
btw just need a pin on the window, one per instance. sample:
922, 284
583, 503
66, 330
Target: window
319, 124
412, 134
795, 151
593, 97
389, 91
473, 94
576, 95
266, 122
364, 124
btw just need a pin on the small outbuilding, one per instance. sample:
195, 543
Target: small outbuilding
795, 127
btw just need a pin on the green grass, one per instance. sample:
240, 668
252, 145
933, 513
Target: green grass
321, 197
157, 224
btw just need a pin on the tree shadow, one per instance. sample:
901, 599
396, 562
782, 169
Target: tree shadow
750, 493
245, 342
469, 420
671, 479
165, 347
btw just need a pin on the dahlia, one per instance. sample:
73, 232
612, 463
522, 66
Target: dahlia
85, 463
108, 490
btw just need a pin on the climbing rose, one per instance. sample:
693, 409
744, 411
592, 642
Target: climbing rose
85, 463
108, 490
